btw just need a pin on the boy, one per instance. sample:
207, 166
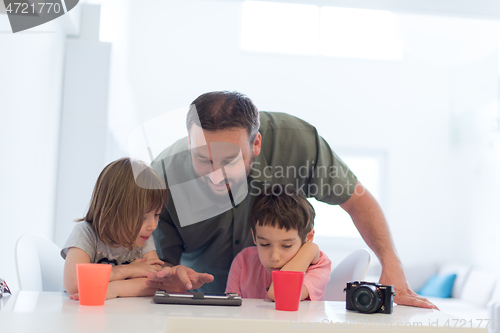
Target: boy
282, 230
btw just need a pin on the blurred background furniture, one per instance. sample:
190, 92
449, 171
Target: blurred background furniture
352, 268
39, 264
474, 295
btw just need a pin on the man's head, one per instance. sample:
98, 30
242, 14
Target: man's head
282, 220
222, 110
223, 138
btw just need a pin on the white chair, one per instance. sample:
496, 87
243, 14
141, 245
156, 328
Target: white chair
494, 316
352, 268
39, 264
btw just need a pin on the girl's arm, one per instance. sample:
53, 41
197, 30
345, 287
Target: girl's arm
307, 255
73, 257
125, 288
138, 268
78, 256
129, 288
117, 287
151, 255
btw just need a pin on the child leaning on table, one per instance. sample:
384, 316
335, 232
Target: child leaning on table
117, 228
282, 230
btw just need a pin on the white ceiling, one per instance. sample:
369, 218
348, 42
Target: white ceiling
486, 9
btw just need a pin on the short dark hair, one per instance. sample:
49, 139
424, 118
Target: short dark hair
283, 207
219, 110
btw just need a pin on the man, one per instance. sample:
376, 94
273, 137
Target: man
231, 150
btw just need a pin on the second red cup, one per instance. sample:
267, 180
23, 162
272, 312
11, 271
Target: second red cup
287, 289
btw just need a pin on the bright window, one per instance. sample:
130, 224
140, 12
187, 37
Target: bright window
331, 31
359, 33
333, 221
280, 27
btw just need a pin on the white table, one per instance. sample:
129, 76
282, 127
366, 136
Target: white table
54, 312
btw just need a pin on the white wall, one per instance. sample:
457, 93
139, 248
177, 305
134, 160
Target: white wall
476, 153
31, 72
84, 123
403, 108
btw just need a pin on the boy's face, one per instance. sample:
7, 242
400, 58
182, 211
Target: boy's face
276, 246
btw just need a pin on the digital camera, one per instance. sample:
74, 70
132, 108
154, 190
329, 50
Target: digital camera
368, 297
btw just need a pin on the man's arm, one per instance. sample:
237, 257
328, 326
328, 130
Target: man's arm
371, 224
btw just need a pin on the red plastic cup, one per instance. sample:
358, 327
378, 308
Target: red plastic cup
287, 289
93, 280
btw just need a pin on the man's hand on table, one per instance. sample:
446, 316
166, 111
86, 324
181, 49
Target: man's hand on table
404, 294
178, 279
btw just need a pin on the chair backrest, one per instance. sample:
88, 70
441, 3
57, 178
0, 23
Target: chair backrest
352, 268
39, 264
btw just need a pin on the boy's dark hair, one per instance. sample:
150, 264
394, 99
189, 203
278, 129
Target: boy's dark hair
281, 206
219, 110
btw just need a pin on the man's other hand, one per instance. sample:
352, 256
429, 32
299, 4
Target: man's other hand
178, 279
404, 294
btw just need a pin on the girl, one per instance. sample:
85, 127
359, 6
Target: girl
123, 213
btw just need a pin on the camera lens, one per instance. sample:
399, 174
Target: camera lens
366, 299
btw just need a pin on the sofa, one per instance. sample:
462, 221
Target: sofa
475, 292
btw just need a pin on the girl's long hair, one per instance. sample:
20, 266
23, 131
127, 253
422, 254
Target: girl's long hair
125, 191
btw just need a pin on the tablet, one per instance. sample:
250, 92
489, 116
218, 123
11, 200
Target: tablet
196, 298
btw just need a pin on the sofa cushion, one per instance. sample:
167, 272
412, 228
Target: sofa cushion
478, 287
461, 271
438, 286
418, 274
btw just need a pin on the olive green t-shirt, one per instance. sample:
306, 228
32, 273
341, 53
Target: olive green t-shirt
292, 153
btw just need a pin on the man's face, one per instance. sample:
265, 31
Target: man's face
223, 159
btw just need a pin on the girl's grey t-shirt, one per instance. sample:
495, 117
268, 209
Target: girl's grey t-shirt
84, 237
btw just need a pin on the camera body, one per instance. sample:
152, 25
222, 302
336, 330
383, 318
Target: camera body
369, 297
